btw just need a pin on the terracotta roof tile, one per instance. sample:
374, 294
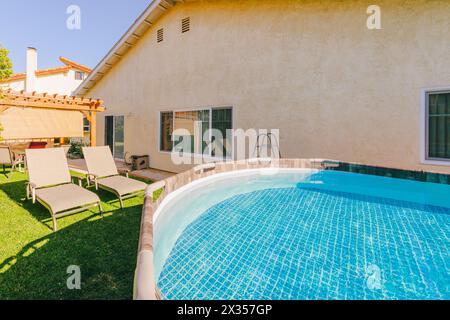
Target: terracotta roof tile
75, 65
69, 64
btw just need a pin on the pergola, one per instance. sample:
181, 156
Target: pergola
44, 101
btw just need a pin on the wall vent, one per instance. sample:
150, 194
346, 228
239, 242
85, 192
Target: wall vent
185, 25
160, 35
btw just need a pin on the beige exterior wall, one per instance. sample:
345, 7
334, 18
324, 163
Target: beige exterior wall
310, 68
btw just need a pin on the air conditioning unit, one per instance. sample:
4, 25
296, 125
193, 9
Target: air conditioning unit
140, 162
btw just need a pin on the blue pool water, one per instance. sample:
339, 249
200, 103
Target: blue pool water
330, 235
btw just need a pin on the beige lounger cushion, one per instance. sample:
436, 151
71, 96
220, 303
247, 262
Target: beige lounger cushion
5, 155
47, 167
122, 185
65, 197
99, 161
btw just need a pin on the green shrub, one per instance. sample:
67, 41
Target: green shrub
76, 149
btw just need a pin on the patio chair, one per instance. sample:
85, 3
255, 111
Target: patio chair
18, 152
6, 158
51, 185
103, 171
37, 145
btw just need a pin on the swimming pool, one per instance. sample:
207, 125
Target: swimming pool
303, 234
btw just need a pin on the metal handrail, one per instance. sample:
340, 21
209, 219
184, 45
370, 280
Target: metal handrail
268, 136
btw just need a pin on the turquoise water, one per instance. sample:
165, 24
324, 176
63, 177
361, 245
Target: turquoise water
328, 235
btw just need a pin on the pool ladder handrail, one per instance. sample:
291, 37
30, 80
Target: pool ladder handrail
268, 137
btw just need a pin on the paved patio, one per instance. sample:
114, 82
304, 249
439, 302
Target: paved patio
79, 165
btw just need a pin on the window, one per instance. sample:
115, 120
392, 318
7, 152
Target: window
160, 35
438, 125
222, 121
195, 126
79, 75
86, 125
166, 129
185, 25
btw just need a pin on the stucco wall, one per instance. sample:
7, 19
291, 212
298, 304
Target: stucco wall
310, 68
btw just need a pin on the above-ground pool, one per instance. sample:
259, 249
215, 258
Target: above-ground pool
303, 234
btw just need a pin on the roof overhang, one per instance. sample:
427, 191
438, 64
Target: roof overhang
144, 22
72, 64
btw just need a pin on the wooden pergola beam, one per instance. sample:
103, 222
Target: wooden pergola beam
93, 129
46, 105
33, 100
53, 106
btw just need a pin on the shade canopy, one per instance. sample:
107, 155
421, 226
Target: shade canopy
27, 123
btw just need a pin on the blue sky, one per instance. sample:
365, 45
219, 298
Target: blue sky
42, 24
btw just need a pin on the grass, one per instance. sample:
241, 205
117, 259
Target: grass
34, 259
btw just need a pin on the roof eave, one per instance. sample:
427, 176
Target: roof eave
144, 22
74, 65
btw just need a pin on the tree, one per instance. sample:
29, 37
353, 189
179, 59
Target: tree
5, 72
5, 64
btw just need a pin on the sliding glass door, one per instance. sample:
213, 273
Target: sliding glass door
109, 132
119, 137
115, 135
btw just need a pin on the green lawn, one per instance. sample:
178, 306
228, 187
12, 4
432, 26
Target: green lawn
34, 260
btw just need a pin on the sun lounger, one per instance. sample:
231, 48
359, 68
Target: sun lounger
51, 185
103, 171
6, 158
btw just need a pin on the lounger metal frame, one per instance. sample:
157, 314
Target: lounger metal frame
98, 184
31, 194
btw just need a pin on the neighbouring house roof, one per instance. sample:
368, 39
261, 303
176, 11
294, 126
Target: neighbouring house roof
144, 22
75, 65
69, 65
